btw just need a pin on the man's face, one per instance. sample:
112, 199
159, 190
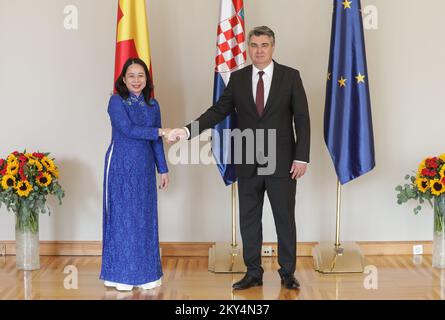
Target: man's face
261, 50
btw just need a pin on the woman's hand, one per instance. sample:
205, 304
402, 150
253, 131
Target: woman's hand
164, 181
164, 132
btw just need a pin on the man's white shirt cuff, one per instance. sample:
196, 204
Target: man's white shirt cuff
187, 131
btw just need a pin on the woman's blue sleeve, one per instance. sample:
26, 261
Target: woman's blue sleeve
158, 146
121, 122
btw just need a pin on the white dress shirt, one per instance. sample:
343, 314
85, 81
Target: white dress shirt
267, 80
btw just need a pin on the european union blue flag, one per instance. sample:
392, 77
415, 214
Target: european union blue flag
347, 120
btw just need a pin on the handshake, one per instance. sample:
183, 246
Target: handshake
173, 135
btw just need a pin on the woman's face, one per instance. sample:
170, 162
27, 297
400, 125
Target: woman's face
135, 79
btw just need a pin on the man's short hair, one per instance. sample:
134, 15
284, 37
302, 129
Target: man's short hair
262, 31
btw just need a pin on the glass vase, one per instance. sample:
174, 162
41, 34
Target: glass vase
439, 232
27, 239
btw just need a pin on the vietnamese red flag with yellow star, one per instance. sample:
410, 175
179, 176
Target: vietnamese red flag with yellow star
132, 38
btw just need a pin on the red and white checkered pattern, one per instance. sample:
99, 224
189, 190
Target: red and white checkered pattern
231, 45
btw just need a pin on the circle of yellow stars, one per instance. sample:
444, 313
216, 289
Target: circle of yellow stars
342, 81
360, 77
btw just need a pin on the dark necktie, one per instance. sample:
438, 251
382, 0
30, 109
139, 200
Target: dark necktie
260, 94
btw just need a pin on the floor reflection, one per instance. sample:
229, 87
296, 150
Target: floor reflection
248, 293
442, 284
135, 294
27, 284
112, 294
417, 259
2, 256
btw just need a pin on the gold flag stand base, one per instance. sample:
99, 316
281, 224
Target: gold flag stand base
346, 258
226, 258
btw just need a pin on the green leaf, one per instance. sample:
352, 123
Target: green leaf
411, 193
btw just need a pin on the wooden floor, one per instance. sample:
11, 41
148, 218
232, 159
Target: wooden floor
397, 277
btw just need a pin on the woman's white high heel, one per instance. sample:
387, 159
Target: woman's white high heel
151, 285
118, 286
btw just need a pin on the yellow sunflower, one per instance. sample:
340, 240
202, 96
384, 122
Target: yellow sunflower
44, 179
437, 187
23, 188
55, 172
442, 157
12, 158
8, 181
422, 184
30, 156
48, 163
442, 172
12, 168
35, 162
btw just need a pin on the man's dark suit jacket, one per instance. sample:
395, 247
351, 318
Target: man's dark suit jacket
286, 104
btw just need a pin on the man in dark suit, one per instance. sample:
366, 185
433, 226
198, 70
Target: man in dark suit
266, 96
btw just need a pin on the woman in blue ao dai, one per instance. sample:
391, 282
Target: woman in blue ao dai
130, 253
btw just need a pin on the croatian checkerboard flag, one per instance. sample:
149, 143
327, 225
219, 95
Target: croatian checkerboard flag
230, 56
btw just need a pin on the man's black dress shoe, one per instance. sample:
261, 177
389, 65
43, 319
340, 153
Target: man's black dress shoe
247, 282
290, 282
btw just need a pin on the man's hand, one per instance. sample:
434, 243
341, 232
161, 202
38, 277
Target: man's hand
175, 135
164, 181
298, 169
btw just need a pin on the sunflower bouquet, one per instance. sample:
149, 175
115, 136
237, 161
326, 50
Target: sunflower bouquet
25, 181
427, 183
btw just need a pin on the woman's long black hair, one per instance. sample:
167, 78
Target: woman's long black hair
122, 89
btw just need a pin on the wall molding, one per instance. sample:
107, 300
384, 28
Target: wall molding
201, 249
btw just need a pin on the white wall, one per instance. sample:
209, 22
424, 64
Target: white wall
55, 84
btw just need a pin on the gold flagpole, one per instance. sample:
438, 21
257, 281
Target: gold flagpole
234, 215
337, 214
227, 257
338, 258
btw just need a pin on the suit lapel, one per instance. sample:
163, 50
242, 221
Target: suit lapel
248, 81
274, 87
